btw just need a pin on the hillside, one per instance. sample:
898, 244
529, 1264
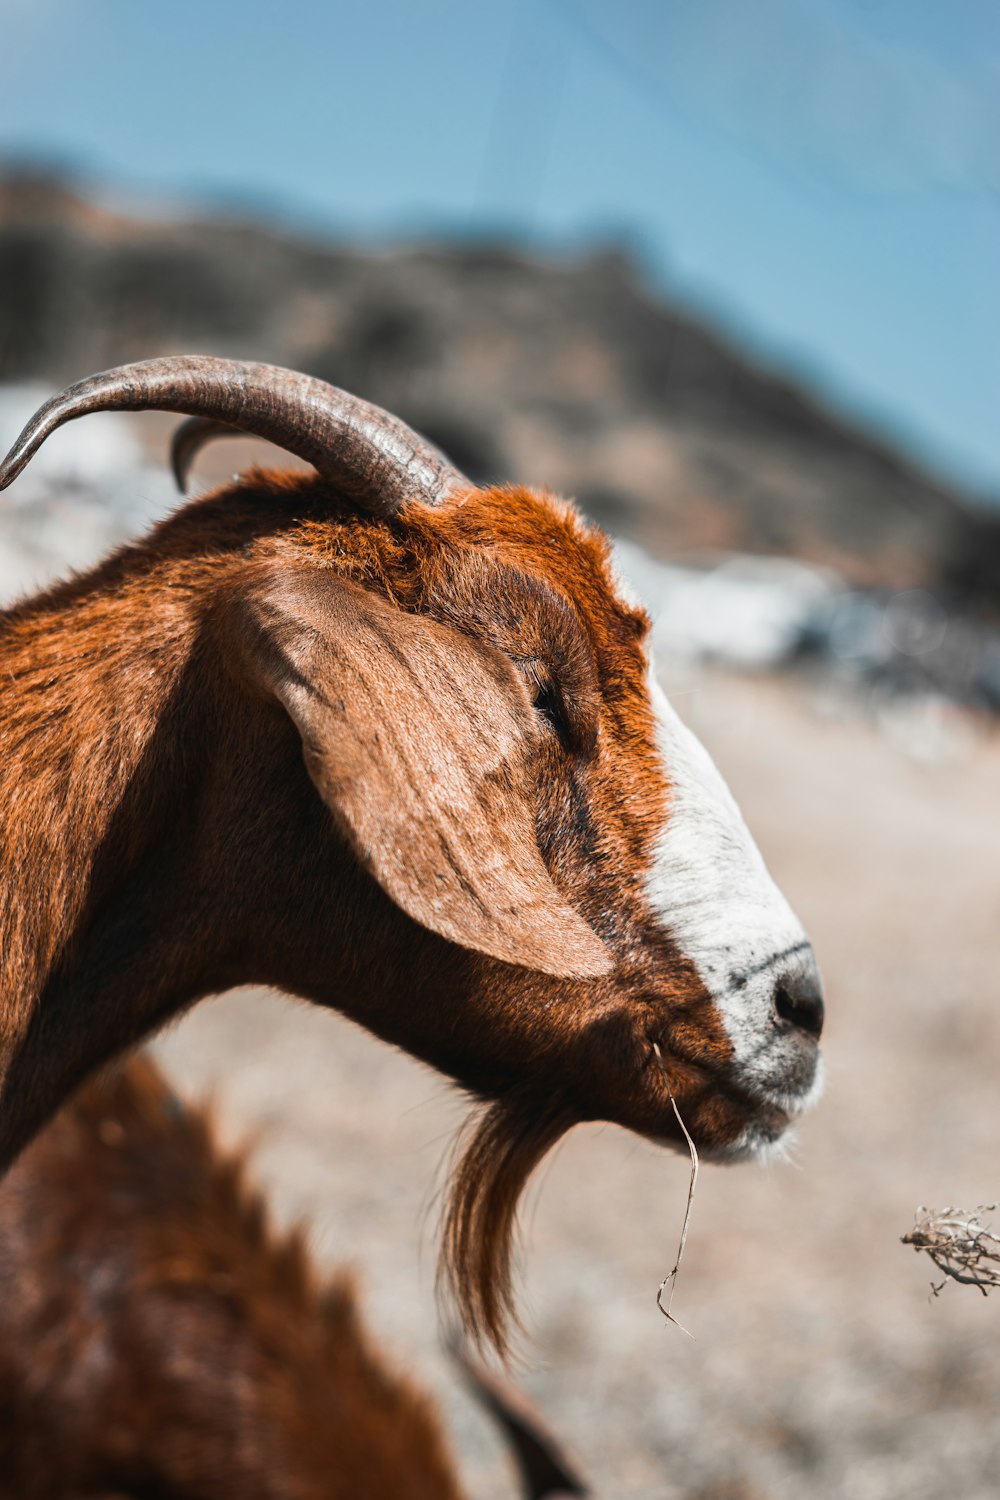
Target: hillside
568, 373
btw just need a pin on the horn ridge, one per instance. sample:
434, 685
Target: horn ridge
373, 457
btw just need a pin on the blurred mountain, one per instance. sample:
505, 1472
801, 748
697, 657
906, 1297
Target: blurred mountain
569, 373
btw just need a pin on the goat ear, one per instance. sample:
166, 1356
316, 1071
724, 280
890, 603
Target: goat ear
418, 739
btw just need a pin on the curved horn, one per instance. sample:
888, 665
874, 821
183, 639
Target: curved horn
189, 438
372, 457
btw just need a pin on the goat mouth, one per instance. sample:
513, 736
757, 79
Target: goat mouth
794, 1096
772, 1115
762, 1116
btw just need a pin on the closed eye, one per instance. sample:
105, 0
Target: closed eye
572, 721
548, 702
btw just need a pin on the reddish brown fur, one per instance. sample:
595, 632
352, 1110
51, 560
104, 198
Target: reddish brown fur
161, 839
158, 1339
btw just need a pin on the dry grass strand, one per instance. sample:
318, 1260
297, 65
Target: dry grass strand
670, 1280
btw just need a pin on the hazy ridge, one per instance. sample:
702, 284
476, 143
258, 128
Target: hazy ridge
568, 373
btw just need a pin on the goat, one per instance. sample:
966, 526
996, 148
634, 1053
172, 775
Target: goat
391, 743
157, 1337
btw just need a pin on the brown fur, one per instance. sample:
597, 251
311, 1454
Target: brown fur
157, 1338
161, 837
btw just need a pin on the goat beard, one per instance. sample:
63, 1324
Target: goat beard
503, 1147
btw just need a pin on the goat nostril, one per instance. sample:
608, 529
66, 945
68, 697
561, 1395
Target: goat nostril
799, 1001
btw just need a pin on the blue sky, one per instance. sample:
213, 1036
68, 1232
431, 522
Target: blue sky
821, 176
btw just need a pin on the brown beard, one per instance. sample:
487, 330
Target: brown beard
477, 1252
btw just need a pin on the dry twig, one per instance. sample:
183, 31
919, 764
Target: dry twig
961, 1247
670, 1280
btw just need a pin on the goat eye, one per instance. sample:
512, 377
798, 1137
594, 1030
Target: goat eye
548, 702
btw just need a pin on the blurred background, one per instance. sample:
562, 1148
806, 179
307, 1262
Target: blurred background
726, 271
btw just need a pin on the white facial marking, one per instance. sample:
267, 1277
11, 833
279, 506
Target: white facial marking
726, 915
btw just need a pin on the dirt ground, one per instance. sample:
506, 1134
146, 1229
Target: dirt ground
820, 1366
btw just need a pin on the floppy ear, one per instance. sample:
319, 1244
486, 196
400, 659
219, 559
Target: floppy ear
419, 741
